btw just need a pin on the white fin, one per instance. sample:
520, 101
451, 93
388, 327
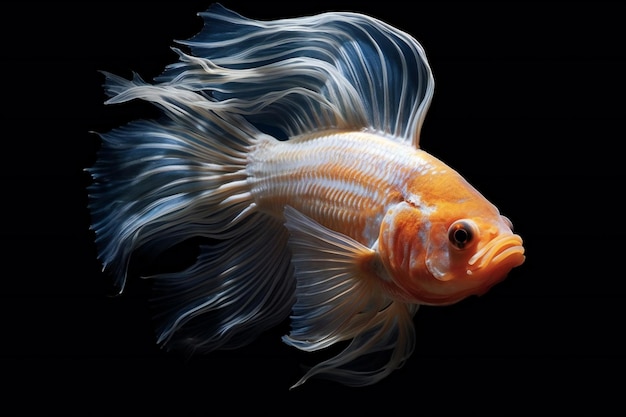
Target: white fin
336, 300
337, 70
159, 183
237, 289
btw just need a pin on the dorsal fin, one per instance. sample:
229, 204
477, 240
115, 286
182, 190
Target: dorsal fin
292, 76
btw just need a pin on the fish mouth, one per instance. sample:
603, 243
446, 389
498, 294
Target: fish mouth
504, 251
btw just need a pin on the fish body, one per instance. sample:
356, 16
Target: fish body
292, 147
344, 180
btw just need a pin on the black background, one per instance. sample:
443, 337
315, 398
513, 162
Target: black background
528, 106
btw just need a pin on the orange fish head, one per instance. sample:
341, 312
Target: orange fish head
443, 256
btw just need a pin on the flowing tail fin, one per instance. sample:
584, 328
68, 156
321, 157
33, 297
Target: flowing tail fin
159, 183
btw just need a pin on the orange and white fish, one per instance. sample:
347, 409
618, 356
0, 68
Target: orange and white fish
292, 147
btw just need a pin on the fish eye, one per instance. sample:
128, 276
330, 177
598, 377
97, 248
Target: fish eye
461, 233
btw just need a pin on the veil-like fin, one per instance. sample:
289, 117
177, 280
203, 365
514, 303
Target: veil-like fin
157, 183
291, 76
384, 346
237, 289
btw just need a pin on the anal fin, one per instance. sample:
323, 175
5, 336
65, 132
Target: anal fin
238, 288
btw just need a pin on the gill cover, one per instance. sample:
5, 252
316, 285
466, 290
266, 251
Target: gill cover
404, 233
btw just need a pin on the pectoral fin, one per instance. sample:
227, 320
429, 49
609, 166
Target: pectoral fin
338, 299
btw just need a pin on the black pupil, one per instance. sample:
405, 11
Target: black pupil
461, 236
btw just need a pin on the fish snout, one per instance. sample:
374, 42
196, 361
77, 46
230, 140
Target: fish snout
503, 253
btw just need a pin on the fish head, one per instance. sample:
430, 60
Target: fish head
441, 255
468, 255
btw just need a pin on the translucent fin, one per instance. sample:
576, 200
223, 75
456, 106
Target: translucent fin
158, 183
384, 346
336, 301
236, 290
336, 70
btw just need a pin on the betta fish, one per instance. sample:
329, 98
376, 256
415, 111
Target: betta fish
289, 151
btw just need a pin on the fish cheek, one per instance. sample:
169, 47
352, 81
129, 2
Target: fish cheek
401, 246
438, 259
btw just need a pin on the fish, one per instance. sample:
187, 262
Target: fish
288, 152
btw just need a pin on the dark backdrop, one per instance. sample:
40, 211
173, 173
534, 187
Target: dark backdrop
528, 107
